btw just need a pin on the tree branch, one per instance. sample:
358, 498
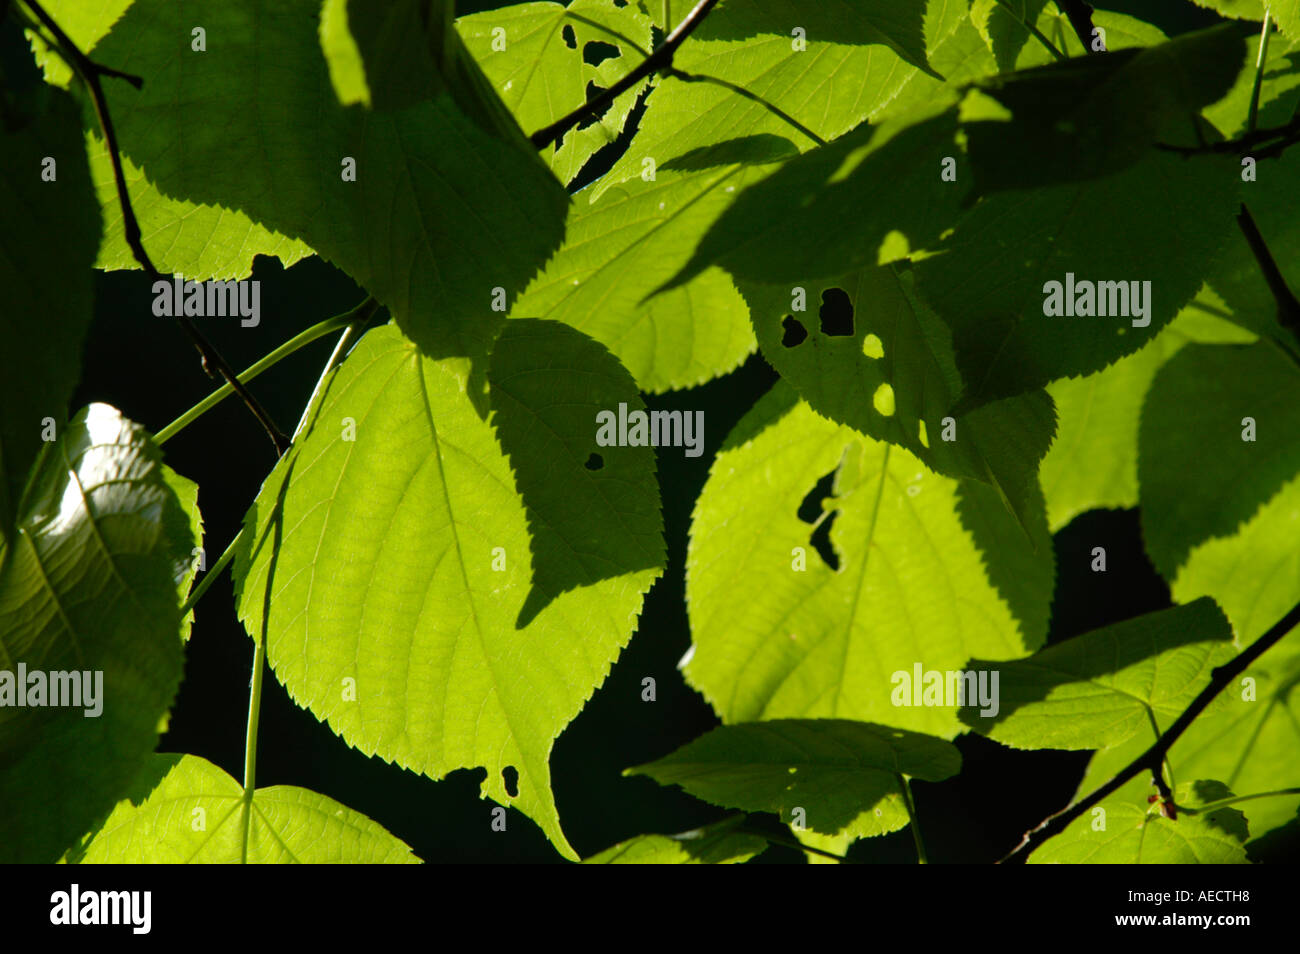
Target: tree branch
658, 60
1288, 307
1286, 135
90, 73
1152, 758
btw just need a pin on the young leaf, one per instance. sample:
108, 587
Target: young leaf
387, 557
1132, 832
1106, 686
778, 633
1216, 441
1285, 13
846, 776
89, 574
185, 810
525, 51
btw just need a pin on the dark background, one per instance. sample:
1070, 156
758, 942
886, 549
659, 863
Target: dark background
152, 374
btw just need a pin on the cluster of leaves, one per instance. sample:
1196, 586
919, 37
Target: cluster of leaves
445, 538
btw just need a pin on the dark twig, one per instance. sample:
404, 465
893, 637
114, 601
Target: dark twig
90, 73
1286, 135
1288, 307
1153, 758
662, 58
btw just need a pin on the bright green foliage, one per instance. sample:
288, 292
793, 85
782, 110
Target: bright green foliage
187, 495
1285, 13
185, 810
1106, 686
407, 229
542, 78
44, 269
85, 22
395, 557
1279, 91
619, 248
88, 582
846, 777
774, 641
1203, 467
1136, 833
714, 845
853, 58
894, 345
1093, 462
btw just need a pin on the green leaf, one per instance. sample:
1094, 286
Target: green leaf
1279, 90
88, 585
1136, 833
1200, 476
449, 202
745, 66
1285, 13
187, 495
990, 282
1093, 463
45, 257
1108, 685
85, 22
624, 244
1095, 115
542, 79
712, 845
185, 810
847, 777
876, 358
396, 555
775, 641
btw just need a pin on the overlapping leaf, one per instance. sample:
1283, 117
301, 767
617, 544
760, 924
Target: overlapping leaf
714, 845
537, 57
1136, 833
1200, 474
89, 574
1104, 687
846, 777
397, 563
185, 810
449, 202
867, 353
926, 574
1285, 13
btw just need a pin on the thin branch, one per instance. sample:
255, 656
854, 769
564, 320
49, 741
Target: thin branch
1152, 758
1286, 135
661, 58
90, 73
1288, 307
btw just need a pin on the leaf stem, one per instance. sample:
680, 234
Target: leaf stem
250, 743
906, 788
361, 312
196, 594
1252, 119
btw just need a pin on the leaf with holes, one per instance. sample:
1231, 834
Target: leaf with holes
539, 57
920, 572
390, 551
185, 810
1108, 685
846, 777
90, 622
876, 358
